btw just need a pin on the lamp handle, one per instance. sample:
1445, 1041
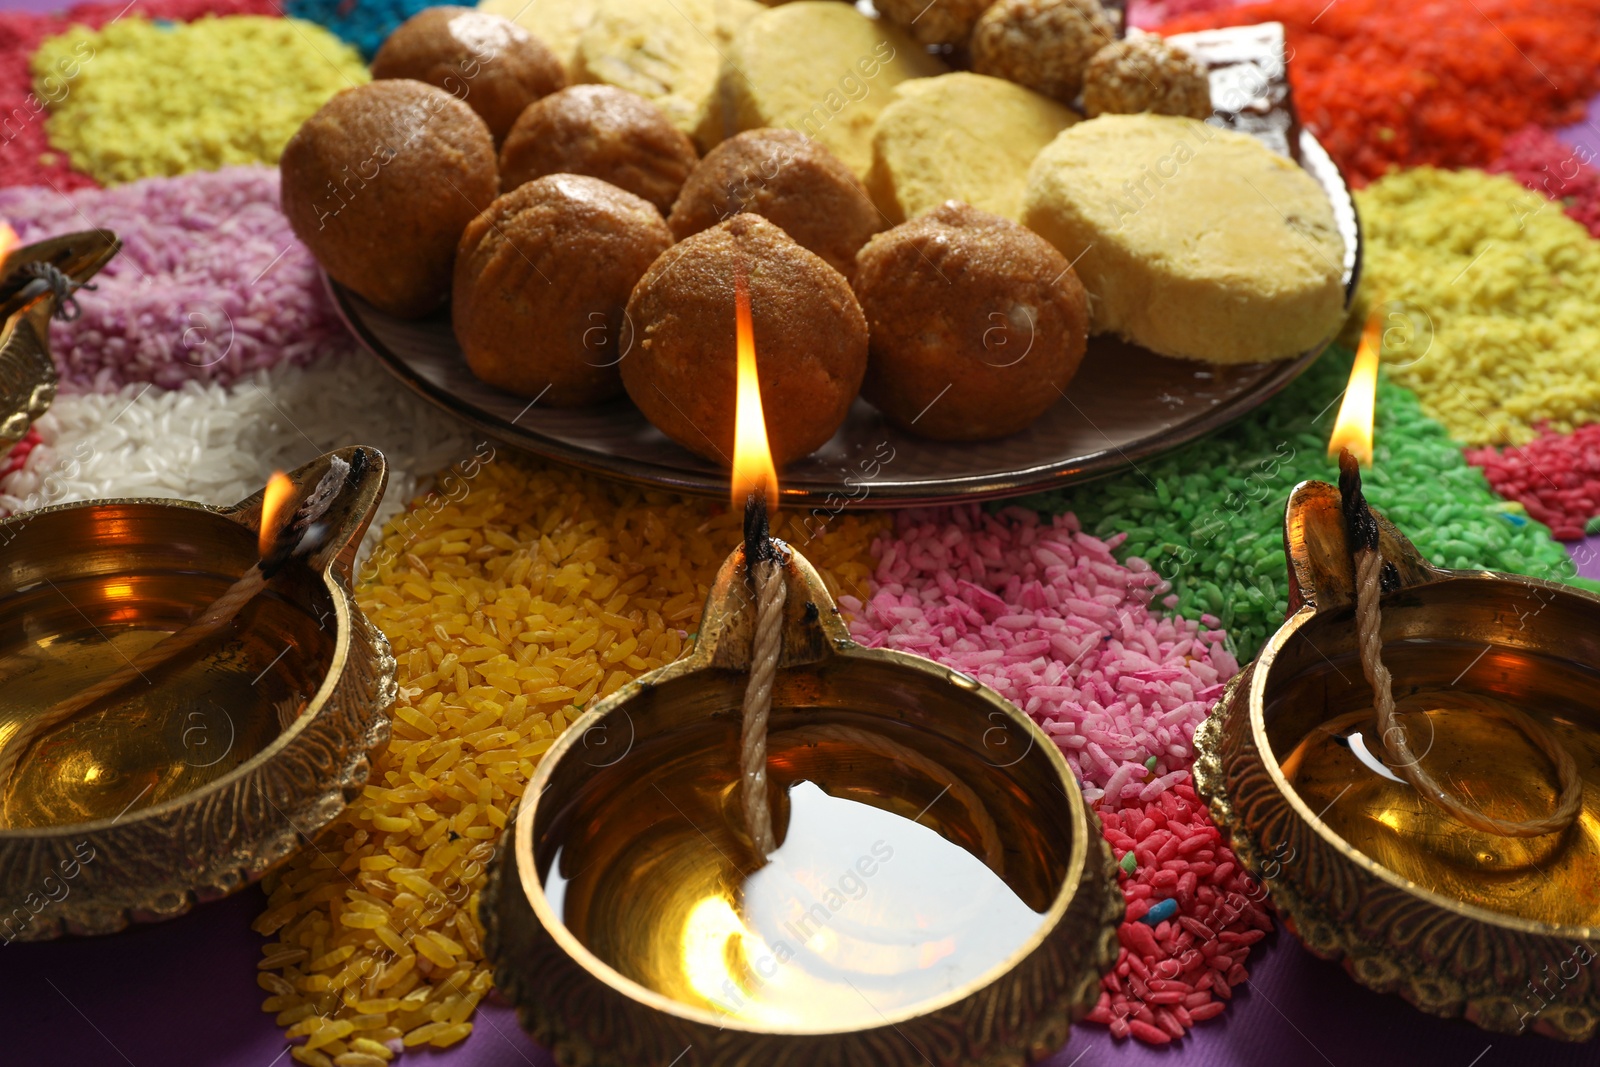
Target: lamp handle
1321, 572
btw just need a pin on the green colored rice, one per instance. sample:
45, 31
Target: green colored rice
1210, 516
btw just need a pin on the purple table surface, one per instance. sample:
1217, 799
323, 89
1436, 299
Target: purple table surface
183, 992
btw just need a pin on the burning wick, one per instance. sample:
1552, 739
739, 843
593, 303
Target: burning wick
1361, 529
756, 481
766, 574
279, 543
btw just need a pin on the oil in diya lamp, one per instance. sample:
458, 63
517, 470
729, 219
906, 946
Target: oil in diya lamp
787, 848
189, 691
37, 282
1412, 764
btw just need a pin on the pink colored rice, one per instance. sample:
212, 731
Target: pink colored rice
211, 284
1043, 613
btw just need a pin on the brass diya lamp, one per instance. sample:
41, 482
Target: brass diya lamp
136, 781
1477, 894
932, 888
37, 282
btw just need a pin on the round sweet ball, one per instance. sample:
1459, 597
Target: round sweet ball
379, 184
788, 179
1043, 44
1146, 74
606, 133
541, 284
981, 358
810, 337
495, 66
941, 22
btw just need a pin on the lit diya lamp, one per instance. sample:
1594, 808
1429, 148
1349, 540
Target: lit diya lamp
37, 282
1416, 756
190, 692
788, 845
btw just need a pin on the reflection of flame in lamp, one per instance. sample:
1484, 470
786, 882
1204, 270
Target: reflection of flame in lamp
754, 476
281, 538
1353, 428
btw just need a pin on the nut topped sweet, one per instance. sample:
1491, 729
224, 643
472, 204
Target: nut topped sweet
1145, 73
491, 63
1043, 44
977, 324
789, 179
604, 132
811, 340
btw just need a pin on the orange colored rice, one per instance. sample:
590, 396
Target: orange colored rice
512, 598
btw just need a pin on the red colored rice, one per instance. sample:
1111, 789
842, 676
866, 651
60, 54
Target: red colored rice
1546, 164
1556, 478
1388, 84
1180, 971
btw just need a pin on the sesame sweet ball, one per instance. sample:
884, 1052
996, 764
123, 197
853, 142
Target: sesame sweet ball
1146, 74
1043, 44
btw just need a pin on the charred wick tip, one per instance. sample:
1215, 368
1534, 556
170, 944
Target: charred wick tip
358, 467
1389, 578
757, 533
1361, 528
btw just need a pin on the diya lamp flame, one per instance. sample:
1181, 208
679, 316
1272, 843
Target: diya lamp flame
275, 510
755, 479
755, 486
8, 239
1352, 430
285, 534
1351, 441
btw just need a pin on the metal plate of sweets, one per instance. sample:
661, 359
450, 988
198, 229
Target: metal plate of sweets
1124, 405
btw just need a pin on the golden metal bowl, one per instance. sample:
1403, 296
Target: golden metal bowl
27, 374
1366, 871
900, 732
192, 788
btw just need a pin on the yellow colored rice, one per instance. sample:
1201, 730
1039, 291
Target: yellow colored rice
149, 100
1504, 285
539, 589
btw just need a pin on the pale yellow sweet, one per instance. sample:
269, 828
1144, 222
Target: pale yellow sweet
1192, 241
664, 50
556, 23
731, 15
819, 67
960, 137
